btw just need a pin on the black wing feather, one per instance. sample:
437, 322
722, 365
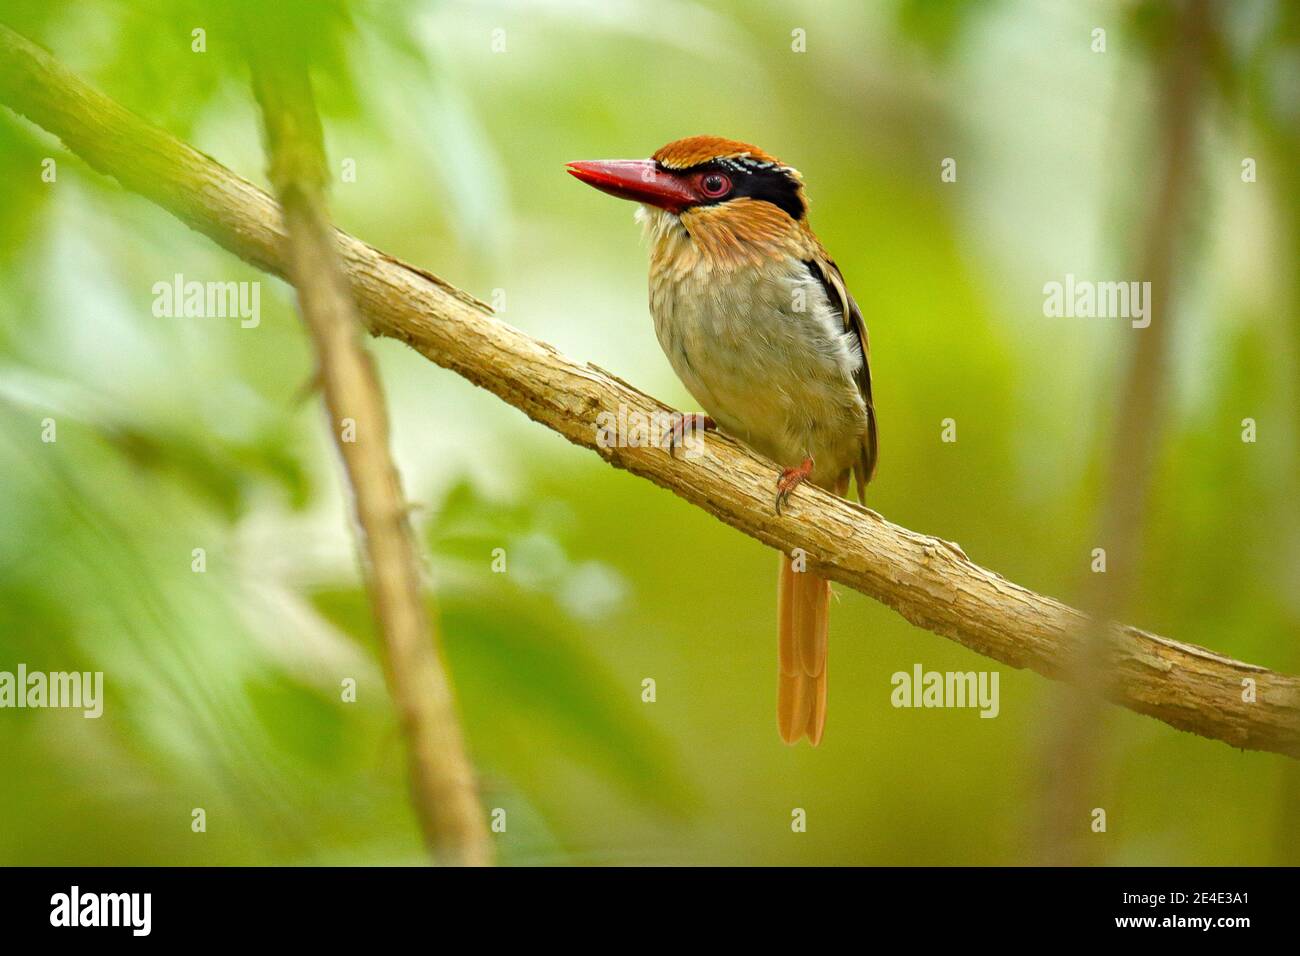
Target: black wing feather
828, 274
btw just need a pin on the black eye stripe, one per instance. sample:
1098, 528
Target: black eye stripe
756, 180
775, 186
766, 181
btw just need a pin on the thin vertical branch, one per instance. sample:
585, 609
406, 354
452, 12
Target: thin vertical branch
1075, 740
442, 780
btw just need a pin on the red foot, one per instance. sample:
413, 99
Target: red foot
677, 431
791, 479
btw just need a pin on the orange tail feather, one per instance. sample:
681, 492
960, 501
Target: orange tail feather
803, 612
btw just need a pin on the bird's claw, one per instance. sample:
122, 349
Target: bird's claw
790, 479
677, 430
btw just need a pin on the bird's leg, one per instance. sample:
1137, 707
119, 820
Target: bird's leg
791, 478
677, 430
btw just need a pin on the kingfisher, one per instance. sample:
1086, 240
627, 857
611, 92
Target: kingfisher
757, 322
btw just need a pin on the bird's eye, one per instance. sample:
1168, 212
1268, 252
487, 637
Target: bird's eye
714, 185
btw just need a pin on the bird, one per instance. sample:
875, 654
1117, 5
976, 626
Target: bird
756, 320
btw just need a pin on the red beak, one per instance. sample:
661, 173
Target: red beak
640, 180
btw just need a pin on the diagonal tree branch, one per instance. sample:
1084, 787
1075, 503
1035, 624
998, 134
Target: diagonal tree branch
442, 781
929, 582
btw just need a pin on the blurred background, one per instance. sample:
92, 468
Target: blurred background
223, 687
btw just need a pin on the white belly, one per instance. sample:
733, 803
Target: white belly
779, 379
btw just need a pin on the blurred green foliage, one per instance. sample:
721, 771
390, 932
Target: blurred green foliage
223, 687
